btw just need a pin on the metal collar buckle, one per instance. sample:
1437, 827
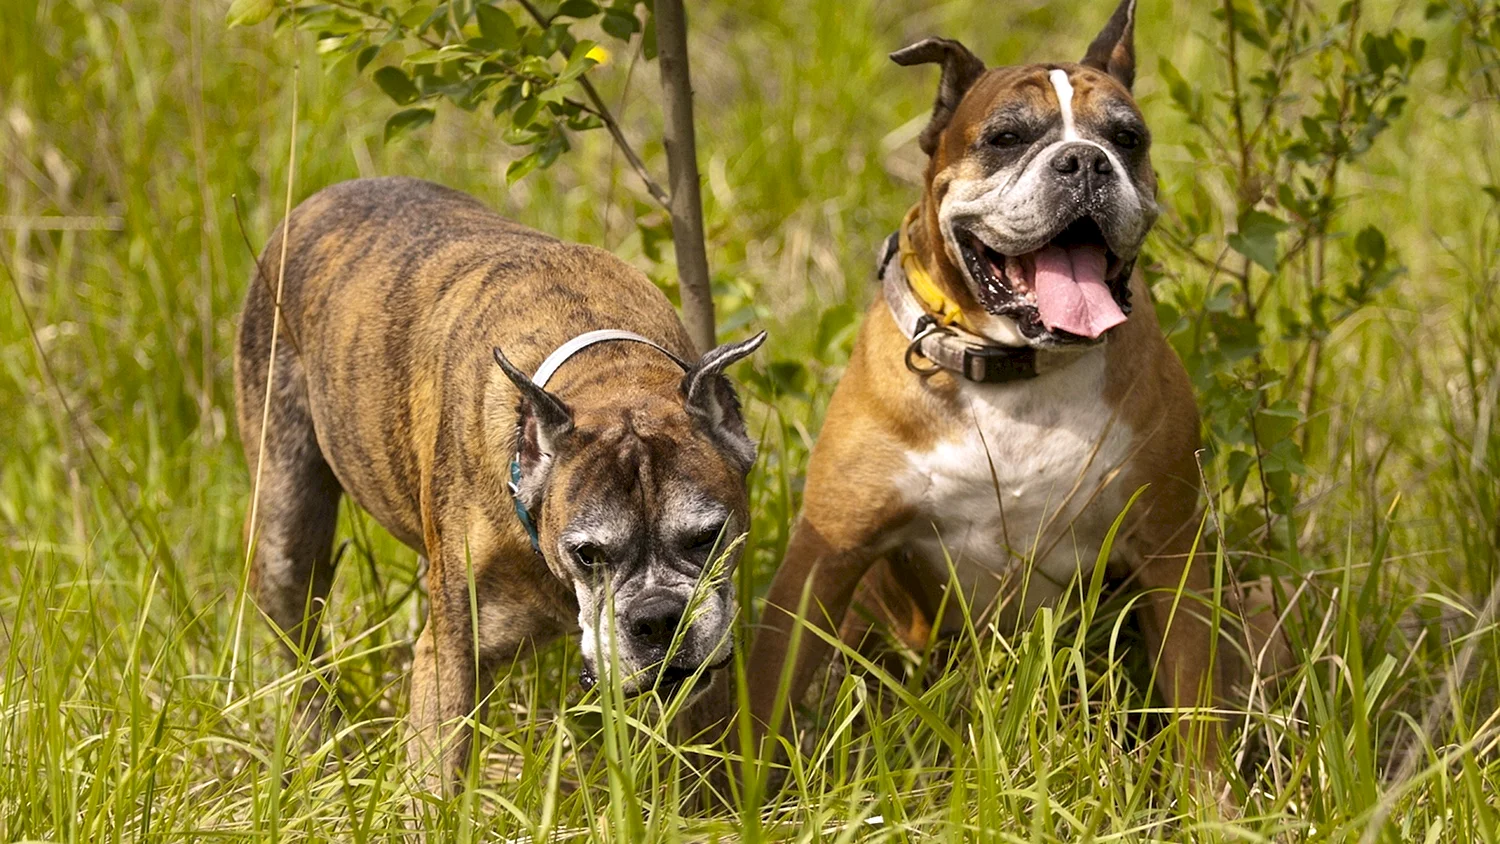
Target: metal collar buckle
925, 327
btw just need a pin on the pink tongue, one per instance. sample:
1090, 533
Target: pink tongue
1071, 293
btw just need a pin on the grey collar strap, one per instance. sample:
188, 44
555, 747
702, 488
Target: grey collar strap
561, 354
949, 347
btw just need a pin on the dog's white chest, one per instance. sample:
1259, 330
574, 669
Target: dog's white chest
1023, 497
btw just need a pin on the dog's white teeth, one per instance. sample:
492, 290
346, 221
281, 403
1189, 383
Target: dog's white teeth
1016, 275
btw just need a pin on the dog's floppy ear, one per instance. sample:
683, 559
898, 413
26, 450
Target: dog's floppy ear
960, 69
1113, 50
543, 419
711, 399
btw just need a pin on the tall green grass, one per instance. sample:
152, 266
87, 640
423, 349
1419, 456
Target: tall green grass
128, 130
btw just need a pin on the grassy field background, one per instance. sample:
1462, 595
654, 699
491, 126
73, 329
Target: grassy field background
140, 699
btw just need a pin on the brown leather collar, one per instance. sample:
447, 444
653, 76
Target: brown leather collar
972, 357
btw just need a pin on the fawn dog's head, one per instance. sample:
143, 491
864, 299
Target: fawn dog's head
1039, 185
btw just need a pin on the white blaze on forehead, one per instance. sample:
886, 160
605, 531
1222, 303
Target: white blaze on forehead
1064, 90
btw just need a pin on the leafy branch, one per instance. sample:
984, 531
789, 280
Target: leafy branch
1296, 117
531, 72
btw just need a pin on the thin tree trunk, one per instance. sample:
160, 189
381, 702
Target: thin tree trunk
686, 205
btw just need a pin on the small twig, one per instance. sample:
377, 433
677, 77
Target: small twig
265, 414
1235, 98
601, 111
1279, 74
1182, 248
260, 273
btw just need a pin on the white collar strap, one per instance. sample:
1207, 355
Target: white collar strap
561, 354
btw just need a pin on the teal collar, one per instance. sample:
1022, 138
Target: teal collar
515, 495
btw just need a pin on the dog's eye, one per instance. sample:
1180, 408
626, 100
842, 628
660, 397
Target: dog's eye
1003, 139
702, 543
1127, 139
591, 556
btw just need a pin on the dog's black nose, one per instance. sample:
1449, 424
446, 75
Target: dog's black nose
654, 622
1080, 158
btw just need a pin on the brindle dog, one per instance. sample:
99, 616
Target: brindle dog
398, 296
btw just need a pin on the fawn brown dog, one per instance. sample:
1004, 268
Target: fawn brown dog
1009, 392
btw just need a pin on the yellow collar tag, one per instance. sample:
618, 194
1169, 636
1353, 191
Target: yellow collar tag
932, 297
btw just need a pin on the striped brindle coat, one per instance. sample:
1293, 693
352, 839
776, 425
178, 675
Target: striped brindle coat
398, 296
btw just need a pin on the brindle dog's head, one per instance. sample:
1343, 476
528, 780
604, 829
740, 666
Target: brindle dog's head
640, 498
1040, 184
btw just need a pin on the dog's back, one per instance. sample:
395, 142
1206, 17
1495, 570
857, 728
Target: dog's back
392, 254
394, 292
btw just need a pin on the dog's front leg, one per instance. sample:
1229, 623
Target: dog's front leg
819, 579
446, 675
848, 509
455, 660
444, 688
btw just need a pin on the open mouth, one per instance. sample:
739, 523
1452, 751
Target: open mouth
1073, 287
673, 677
668, 680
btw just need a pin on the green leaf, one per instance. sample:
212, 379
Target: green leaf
524, 113
1284, 456
1256, 238
553, 96
249, 12
507, 98
837, 326
578, 9
397, 86
554, 39
497, 26
443, 54
620, 24
584, 122
1240, 463
416, 15
579, 62
405, 121
1181, 92
1276, 423
648, 40
555, 146
1222, 300
521, 166
1370, 245
364, 58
